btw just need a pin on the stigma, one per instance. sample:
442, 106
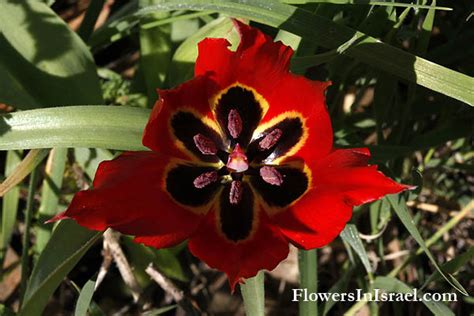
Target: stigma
237, 160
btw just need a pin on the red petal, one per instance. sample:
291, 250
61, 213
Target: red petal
255, 63
162, 241
315, 220
193, 95
128, 197
346, 172
266, 248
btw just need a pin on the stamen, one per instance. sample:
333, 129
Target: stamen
270, 139
205, 145
235, 194
234, 124
205, 179
271, 176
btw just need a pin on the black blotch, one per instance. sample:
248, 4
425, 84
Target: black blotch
185, 125
236, 219
250, 110
292, 132
179, 183
295, 183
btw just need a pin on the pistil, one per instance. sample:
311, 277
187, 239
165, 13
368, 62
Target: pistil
271, 176
234, 123
205, 145
237, 160
235, 194
205, 179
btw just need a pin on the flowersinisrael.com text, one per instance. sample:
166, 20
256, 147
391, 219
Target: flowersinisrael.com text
378, 295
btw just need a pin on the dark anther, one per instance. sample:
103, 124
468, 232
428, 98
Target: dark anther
270, 139
235, 194
234, 123
271, 175
205, 145
205, 179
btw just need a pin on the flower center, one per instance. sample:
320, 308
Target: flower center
237, 161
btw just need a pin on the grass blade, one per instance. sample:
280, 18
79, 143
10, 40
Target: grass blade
399, 206
9, 204
67, 245
23, 169
350, 234
369, 2
54, 173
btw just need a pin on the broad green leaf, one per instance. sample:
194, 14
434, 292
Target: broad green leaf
350, 234
110, 127
67, 245
308, 269
85, 298
253, 294
23, 169
43, 62
396, 286
331, 35
400, 208
9, 204
54, 172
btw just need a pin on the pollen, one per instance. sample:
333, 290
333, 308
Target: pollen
234, 123
205, 145
205, 179
271, 176
270, 139
235, 194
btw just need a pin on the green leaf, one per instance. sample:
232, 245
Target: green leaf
85, 298
253, 294
90, 19
396, 286
400, 208
368, 2
23, 169
9, 204
452, 266
67, 245
330, 34
76, 126
90, 158
155, 51
51, 187
43, 62
350, 234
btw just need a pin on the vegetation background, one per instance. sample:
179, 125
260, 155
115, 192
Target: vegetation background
78, 79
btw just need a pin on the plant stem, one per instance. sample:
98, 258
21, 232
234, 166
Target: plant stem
253, 293
308, 266
26, 234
